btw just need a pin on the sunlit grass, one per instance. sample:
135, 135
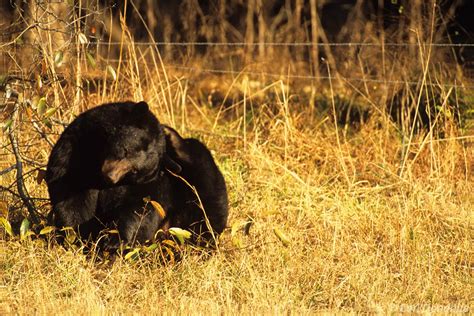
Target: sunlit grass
373, 216
361, 237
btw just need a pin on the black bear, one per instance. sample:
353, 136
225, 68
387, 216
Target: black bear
112, 157
200, 202
102, 166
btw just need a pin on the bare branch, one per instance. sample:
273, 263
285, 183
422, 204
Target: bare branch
7, 170
22, 192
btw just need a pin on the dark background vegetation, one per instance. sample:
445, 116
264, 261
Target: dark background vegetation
249, 22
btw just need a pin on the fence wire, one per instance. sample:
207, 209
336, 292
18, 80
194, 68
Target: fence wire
308, 44
310, 77
289, 44
289, 76
268, 44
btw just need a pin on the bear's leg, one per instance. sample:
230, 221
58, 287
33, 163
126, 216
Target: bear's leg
92, 228
75, 208
139, 225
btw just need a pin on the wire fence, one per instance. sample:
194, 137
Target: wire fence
74, 34
293, 44
310, 77
291, 76
288, 75
271, 44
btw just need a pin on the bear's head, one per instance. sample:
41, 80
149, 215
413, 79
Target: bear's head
134, 147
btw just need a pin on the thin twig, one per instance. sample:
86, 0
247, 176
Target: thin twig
35, 217
201, 206
7, 170
43, 134
7, 189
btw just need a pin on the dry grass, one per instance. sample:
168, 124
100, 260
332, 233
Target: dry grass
362, 238
375, 221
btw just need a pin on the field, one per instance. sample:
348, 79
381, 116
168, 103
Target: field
327, 212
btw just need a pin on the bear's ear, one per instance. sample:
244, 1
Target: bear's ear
171, 165
172, 136
175, 141
140, 107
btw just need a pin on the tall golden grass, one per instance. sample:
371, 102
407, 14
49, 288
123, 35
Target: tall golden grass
323, 217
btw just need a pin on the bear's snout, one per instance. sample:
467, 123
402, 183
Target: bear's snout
114, 170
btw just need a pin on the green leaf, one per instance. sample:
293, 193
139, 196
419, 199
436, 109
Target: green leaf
46, 230
112, 72
70, 235
180, 233
50, 112
132, 255
58, 58
41, 106
7, 124
6, 225
444, 110
28, 234
237, 242
283, 238
25, 226
90, 60
48, 123
151, 247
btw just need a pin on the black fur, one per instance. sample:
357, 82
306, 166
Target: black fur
105, 151
200, 171
112, 157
